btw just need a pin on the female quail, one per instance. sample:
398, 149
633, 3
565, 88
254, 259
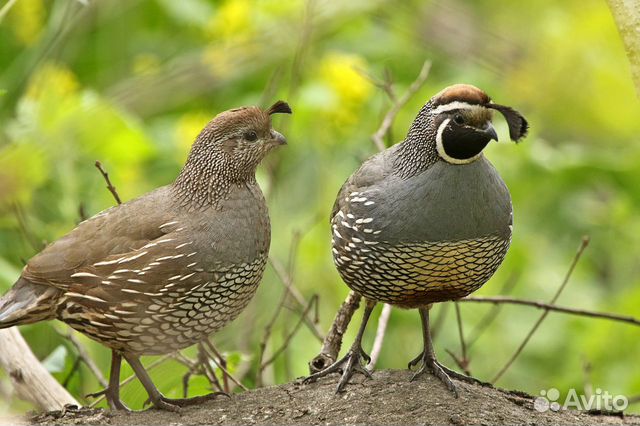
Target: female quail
427, 220
165, 270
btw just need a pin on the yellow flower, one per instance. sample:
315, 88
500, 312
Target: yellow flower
52, 78
340, 72
233, 20
22, 169
26, 19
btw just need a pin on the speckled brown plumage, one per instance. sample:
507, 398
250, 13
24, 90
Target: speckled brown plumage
427, 220
163, 271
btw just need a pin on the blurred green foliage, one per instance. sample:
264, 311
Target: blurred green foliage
131, 84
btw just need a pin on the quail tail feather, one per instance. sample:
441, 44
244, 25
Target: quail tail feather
27, 303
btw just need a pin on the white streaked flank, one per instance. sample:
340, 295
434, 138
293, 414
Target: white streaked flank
84, 274
85, 296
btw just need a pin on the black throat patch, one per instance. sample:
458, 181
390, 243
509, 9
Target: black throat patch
463, 142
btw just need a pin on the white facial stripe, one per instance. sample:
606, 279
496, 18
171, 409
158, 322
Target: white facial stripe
455, 105
443, 154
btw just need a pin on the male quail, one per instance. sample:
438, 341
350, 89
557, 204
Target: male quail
427, 220
163, 271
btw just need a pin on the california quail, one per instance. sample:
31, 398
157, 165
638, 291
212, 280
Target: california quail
163, 271
427, 220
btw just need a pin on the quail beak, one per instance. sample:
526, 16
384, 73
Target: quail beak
277, 139
490, 131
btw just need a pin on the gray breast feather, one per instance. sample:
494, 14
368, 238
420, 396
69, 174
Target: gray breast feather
445, 202
369, 177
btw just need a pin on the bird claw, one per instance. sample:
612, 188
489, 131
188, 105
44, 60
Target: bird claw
429, 363
163, 404
462, 377
170, 404
346, 366
414, 362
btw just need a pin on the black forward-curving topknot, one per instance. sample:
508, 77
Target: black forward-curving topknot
280, 107
518, 125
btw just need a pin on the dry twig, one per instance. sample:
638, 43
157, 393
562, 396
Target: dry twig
31, 381
383, 320
200, 366
286, 279
223, 365
583, 246
333, 341
387, 122
110, 187
462, 362
129, 379
484, 323
83, 356
268, 329
221, 362
312, 302
499, 300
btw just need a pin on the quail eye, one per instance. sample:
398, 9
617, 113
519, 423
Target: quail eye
458, 119
251, 136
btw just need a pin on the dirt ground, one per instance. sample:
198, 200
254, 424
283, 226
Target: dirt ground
388, 399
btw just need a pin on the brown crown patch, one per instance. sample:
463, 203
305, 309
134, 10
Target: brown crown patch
231, 121
461, 93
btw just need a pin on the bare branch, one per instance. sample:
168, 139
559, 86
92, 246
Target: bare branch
554, 308
333, 341
387, 122
220, 361
313, 301
200, 366
464, 362
383, 320
30, 379
129, 379
268, 329
110, 187
83, 355
386, 84
462, 365
223, 365
286, 279
583, 246
482, 325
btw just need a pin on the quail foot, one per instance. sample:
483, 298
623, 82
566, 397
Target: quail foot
427, 220
163, 271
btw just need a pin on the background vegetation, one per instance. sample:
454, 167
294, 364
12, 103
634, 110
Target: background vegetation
132, 83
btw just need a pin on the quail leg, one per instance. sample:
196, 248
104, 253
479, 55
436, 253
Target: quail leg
428, 362
352, 361
156, 398
112, 392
